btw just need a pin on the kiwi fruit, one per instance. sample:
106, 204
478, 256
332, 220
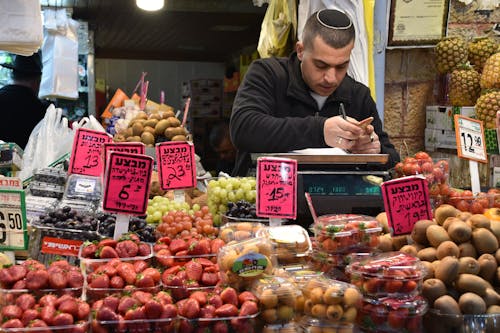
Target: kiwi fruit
447, 305
487, 266
491, 297
399, 241
459, 231
493, 309
464, 216
432, 289
149, 129
409, 249
447, 270
467, 250
170, 132
444, 211
497, 256
151, 122
418, 233
147, 138
479, 221
179, 138
471, 283
156, 116
141, 115
128, 132
161, 126
382, 219
468, 265
448, 221
470, 303
429, 270
484, 241
427, 254
495, 229
385, 243
447, 248
137, 129
134, 138
119, 138
173, 122
436, 235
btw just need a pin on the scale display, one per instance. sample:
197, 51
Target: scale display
339, 185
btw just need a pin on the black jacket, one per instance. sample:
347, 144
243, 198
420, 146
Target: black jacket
21, 111
273, 111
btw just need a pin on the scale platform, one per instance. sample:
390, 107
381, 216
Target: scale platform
338, 184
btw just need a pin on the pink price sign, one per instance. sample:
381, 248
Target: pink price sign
86, 152
406, 201
124, 147
277, 187
176, 164
126, 188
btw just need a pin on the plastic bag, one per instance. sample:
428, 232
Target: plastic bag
60, 60
278, 29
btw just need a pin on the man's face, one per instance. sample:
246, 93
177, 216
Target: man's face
226, 150
323, 67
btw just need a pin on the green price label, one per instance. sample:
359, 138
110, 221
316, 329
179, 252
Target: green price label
13, 230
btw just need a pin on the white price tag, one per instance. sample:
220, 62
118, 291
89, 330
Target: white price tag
13, 231
471, 143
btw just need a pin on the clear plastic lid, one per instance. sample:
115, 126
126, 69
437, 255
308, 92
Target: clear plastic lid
293, 238
340, 218
50, 175
83, 188
239, 231
388, 265
416, 306
311, 324
42, 189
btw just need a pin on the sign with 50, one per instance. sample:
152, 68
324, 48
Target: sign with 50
13, 231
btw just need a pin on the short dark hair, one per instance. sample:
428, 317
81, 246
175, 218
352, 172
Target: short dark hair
23, 76
334, 27
218, 133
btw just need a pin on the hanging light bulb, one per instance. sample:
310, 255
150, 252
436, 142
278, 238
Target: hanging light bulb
150, 5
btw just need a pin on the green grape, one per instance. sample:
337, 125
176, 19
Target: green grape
223, 194
231, 196
213, 183
163, 208
150, 219
235, 182
222, 209
157, 216
246, 187
157, 198
223, 182
150, 210
196, 207
240, 194
191, 212
250, 196
216, 220
229, 187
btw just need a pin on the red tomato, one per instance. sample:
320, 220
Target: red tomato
427, 167
422, 155
463, 205
476, 207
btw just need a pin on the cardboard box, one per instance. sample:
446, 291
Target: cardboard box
438, 138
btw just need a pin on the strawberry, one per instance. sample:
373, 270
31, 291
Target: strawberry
111, 302
190, 309
99, 281
131, 236
28, 316
209, 279
69, 306
173, 270
246, 296
165, 258
197, 248
63, 298
32, 265
127, 249
208, 311
6, 278
106, 314
48, 299
75, 279
169, 311
229, 296
12, 312
216, 301
157, 247
140, 265
116, 282
63, 264
194, 270
216, 244
226, 310
183, 253
142, 297
107, 242
220, 327
18, 272
185, 326
21, 284
47, 314
83, 310
177, 245
144, 281
171, 280
163, 240
200, 297
144, 250
89, 251
127, 272
12, 323
248, 308
26, 301
153, 273
126, 302
164, 297
58, 279
107, 252
205, 262
135, 314
153, 309
38, 279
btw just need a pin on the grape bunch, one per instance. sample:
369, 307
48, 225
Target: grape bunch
241, 209
160, 206
68, 218
224, 190
137, 225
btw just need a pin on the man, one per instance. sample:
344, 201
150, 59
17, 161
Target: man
294, 103
220, 141
20, 107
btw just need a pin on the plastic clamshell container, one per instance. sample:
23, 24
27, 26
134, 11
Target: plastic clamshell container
245, 261
11, 156
42, 189
81, 206
80, 327
291, 327
233, 219
343, 235
183, 292
94, 294
301, 276
278, 299
313, 325
332, 265
242, 324
50, 175
394, 274
437, 322
83, 188
9, 296
166, 261
392, 315
164, 325
291, 242
239, 231
331, 300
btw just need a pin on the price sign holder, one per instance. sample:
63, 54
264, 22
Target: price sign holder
406, 201
13, 230
86, 152
126, 189
471, 145
276, 189
176, 165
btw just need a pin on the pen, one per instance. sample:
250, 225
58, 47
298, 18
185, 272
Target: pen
342, 111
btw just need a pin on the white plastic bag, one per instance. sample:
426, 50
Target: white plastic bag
60, 60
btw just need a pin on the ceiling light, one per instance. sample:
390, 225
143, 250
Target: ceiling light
150, 5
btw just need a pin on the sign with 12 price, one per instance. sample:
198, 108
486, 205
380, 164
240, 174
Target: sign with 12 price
276, 187
86, 152
127, 182
13, 230
471, 143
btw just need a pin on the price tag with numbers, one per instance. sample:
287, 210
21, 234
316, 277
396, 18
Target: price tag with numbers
406, 200
13, 231
471, 143
176, 165
86, 152
127, 182
276, 187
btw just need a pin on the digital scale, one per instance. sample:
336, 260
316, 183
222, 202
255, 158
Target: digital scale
338, 184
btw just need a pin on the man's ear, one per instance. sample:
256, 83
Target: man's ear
299, 47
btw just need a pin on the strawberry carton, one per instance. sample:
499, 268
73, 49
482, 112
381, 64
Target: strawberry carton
291, 242
311, 325
331, 300
391, 315
394, 274
280, 299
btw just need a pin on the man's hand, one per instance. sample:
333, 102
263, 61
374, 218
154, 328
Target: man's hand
342, 133
368, 143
